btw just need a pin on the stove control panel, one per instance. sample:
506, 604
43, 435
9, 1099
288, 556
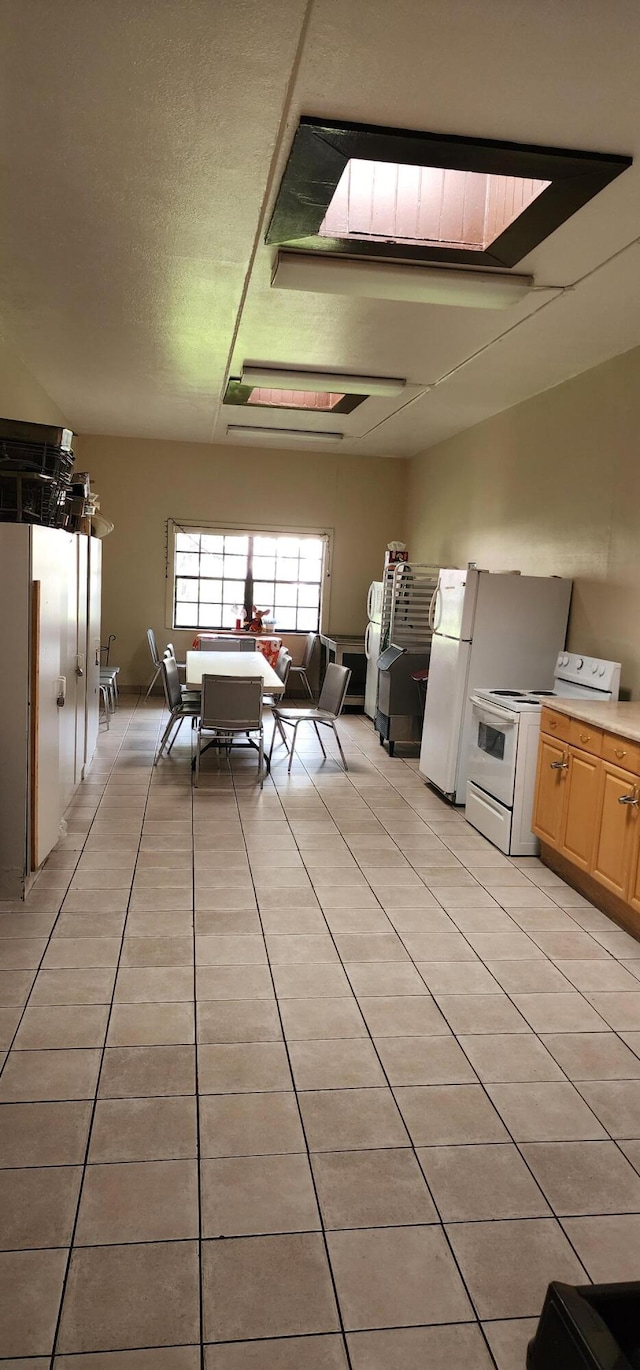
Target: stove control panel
572, 668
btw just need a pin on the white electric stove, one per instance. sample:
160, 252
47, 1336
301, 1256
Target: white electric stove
504, 748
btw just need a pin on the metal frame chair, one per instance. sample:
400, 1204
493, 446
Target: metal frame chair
330, 704
230, 705
282, 669
302, 669
180, 703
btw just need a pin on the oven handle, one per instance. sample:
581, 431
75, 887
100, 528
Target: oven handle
486, 711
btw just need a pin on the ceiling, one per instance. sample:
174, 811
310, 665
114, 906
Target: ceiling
142, 146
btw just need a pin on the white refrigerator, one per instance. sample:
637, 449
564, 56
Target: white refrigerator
490, 631
372, 647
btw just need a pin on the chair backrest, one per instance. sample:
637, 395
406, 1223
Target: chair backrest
283, 665
334, 689
171, 680
247, 644
231, 702
153, 646
312, 638
223, 644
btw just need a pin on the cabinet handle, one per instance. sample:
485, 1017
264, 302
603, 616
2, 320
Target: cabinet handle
585, 737
562, 766
620, 751
553, 723
630, 799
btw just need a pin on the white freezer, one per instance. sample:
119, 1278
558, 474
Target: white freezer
372, 639
374, 601
447, 692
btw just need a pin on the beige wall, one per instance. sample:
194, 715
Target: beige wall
21, 395
142, 483
551, 486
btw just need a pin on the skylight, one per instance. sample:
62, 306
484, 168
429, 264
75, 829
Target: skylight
426, 206
294, 399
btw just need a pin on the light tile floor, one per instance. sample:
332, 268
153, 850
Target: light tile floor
308, 1078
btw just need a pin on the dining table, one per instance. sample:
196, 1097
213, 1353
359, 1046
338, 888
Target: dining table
246, 665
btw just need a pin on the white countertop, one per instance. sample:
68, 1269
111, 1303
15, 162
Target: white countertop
616, 717
245, 664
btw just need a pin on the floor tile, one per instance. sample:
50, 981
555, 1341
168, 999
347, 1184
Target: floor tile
384, 978
324, 1352
254, 1195
158, 951
584, 1177
144, 1130
241, 1068
619, 1010
448, 1115
455, 977
478, 1013
149, 1201
424, 1061
249, 1125
151, 1025
559, 1013
43, 1134
414, 1348
239, 1020
38, 1206
71, 952
342, 1063
509, 1341
474, 1182
136, 985
277, 1286
609, 1247
593, 1055
160, 1358
616, 1103
310, 982
29, 1076
311, 1019
396, 1277
68, 1025
375, 1188
508, 1265
351, 1119
135, 1295
529, 977
135, 1072
403, 1016
510, 1059
234, 982
73, 987
545, 1112
30, 1290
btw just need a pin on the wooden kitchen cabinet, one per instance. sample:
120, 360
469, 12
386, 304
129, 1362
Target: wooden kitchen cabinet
587, 813
617, 827
580, 808
548, 813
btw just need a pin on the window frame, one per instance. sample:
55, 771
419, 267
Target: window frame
175, 526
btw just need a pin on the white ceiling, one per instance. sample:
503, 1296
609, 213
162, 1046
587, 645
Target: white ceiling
142, 144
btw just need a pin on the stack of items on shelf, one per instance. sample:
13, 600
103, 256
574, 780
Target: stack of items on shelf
36, 461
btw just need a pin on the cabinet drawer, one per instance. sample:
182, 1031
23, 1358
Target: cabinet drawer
584, 736
621, 752
558, 725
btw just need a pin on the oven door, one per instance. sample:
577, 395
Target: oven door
493, 749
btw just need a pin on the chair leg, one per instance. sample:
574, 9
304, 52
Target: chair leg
280, 727
196, 772
319, 739
180, 722
293, 746
261, 757
164, 738
303, 676
158, 669
276, 723
337, 737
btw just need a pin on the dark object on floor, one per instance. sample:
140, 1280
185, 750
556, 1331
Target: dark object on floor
590, 1327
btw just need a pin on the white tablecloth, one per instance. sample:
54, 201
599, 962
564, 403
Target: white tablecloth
245, 664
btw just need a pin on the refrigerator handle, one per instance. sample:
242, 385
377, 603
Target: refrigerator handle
432, 609
367, 635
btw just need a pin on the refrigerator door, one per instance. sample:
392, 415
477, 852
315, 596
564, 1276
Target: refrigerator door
374, 601
446, 699
372, 652
455, 602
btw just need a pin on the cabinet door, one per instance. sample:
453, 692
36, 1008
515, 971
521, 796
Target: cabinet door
581, 808
615, 828
548, 814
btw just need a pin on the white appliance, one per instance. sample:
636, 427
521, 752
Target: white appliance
504, 748
50, 633
372, 645
486, 626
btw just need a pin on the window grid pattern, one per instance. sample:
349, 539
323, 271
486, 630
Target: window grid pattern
217, 574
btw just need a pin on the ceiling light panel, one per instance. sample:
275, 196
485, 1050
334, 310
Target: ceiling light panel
332, 381
295, 435
397, 281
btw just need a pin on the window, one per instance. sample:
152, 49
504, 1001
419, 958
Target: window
218, 574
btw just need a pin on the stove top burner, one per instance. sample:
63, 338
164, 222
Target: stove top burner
511, 694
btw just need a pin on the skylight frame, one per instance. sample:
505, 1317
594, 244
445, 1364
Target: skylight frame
238, 394
321, 149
